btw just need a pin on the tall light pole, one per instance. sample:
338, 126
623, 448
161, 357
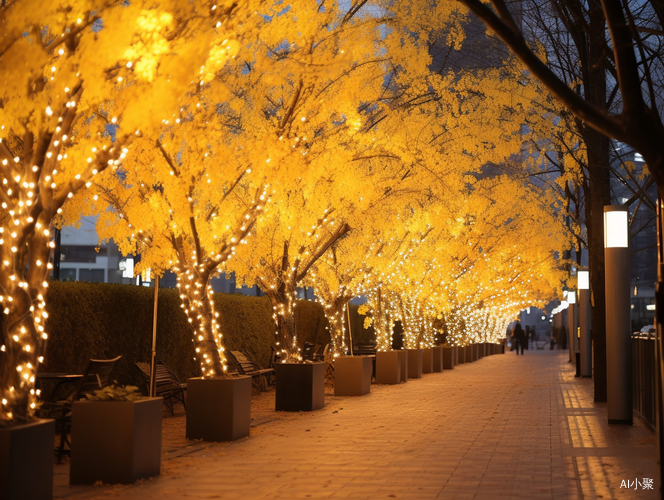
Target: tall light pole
571, 326
618, 339
585, 343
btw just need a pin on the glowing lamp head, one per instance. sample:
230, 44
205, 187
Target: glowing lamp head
616, 226
584, 280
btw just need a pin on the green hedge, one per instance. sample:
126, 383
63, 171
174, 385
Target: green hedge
100, 321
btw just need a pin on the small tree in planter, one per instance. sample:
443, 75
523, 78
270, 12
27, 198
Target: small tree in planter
71, 108
81, 80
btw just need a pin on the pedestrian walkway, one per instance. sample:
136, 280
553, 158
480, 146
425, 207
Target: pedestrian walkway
502, 427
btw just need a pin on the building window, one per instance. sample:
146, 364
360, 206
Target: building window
92, 275
67, 274
80, 253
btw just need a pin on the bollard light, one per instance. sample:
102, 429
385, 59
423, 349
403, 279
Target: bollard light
571, 297
585, 342
616, 228
618, 324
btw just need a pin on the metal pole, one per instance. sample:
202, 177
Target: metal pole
585, 343
57, 254
153, 357
350, 334
571, 325
618, 338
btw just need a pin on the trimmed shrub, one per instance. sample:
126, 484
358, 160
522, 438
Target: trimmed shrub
100, 321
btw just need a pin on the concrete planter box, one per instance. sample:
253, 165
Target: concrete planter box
115, 441
352, 376
218, 409
469, 353
403, 359
427, 361
300, 386
415, 362
438, 359
388, 367
26, 461
459, 355
476, 352
448, 357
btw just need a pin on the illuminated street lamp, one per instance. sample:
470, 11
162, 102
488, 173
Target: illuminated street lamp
585, 342
618, 338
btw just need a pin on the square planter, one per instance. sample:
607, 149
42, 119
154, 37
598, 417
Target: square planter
469, 353
300, 386
388, 367
403, 358
448, 357
427, 360
26, 461
115, 441
218, 409
476, 352
352, 375
438, 359
459, 355
415, 362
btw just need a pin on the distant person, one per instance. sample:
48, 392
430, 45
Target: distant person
527, 335
534, 333
519, 338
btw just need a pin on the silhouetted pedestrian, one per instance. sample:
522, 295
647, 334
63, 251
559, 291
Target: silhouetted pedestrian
527, 336
520, 338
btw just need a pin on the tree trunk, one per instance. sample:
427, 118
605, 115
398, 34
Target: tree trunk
23, 301
381, 321
335, 315
283, 307
197, 302
597, 146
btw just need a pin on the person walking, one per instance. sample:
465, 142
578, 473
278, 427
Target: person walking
527, 337
520, 338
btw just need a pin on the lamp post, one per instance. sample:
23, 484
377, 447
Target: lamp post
571, 326
618, 341
585, 342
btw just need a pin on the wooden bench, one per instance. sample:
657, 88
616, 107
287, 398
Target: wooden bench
168, 385
246, 366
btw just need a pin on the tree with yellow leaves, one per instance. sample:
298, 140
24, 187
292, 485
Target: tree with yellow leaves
80, 79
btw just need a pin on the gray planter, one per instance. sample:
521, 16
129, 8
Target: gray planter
438, 359
448, 358
115, 441
427, 360
403, 358
26, 461
415, 362
352, 375
388, 367
218, 409
300, 386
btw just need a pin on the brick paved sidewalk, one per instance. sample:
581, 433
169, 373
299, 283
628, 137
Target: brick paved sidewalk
502, 427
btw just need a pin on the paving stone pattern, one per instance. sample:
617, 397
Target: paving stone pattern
505, 426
